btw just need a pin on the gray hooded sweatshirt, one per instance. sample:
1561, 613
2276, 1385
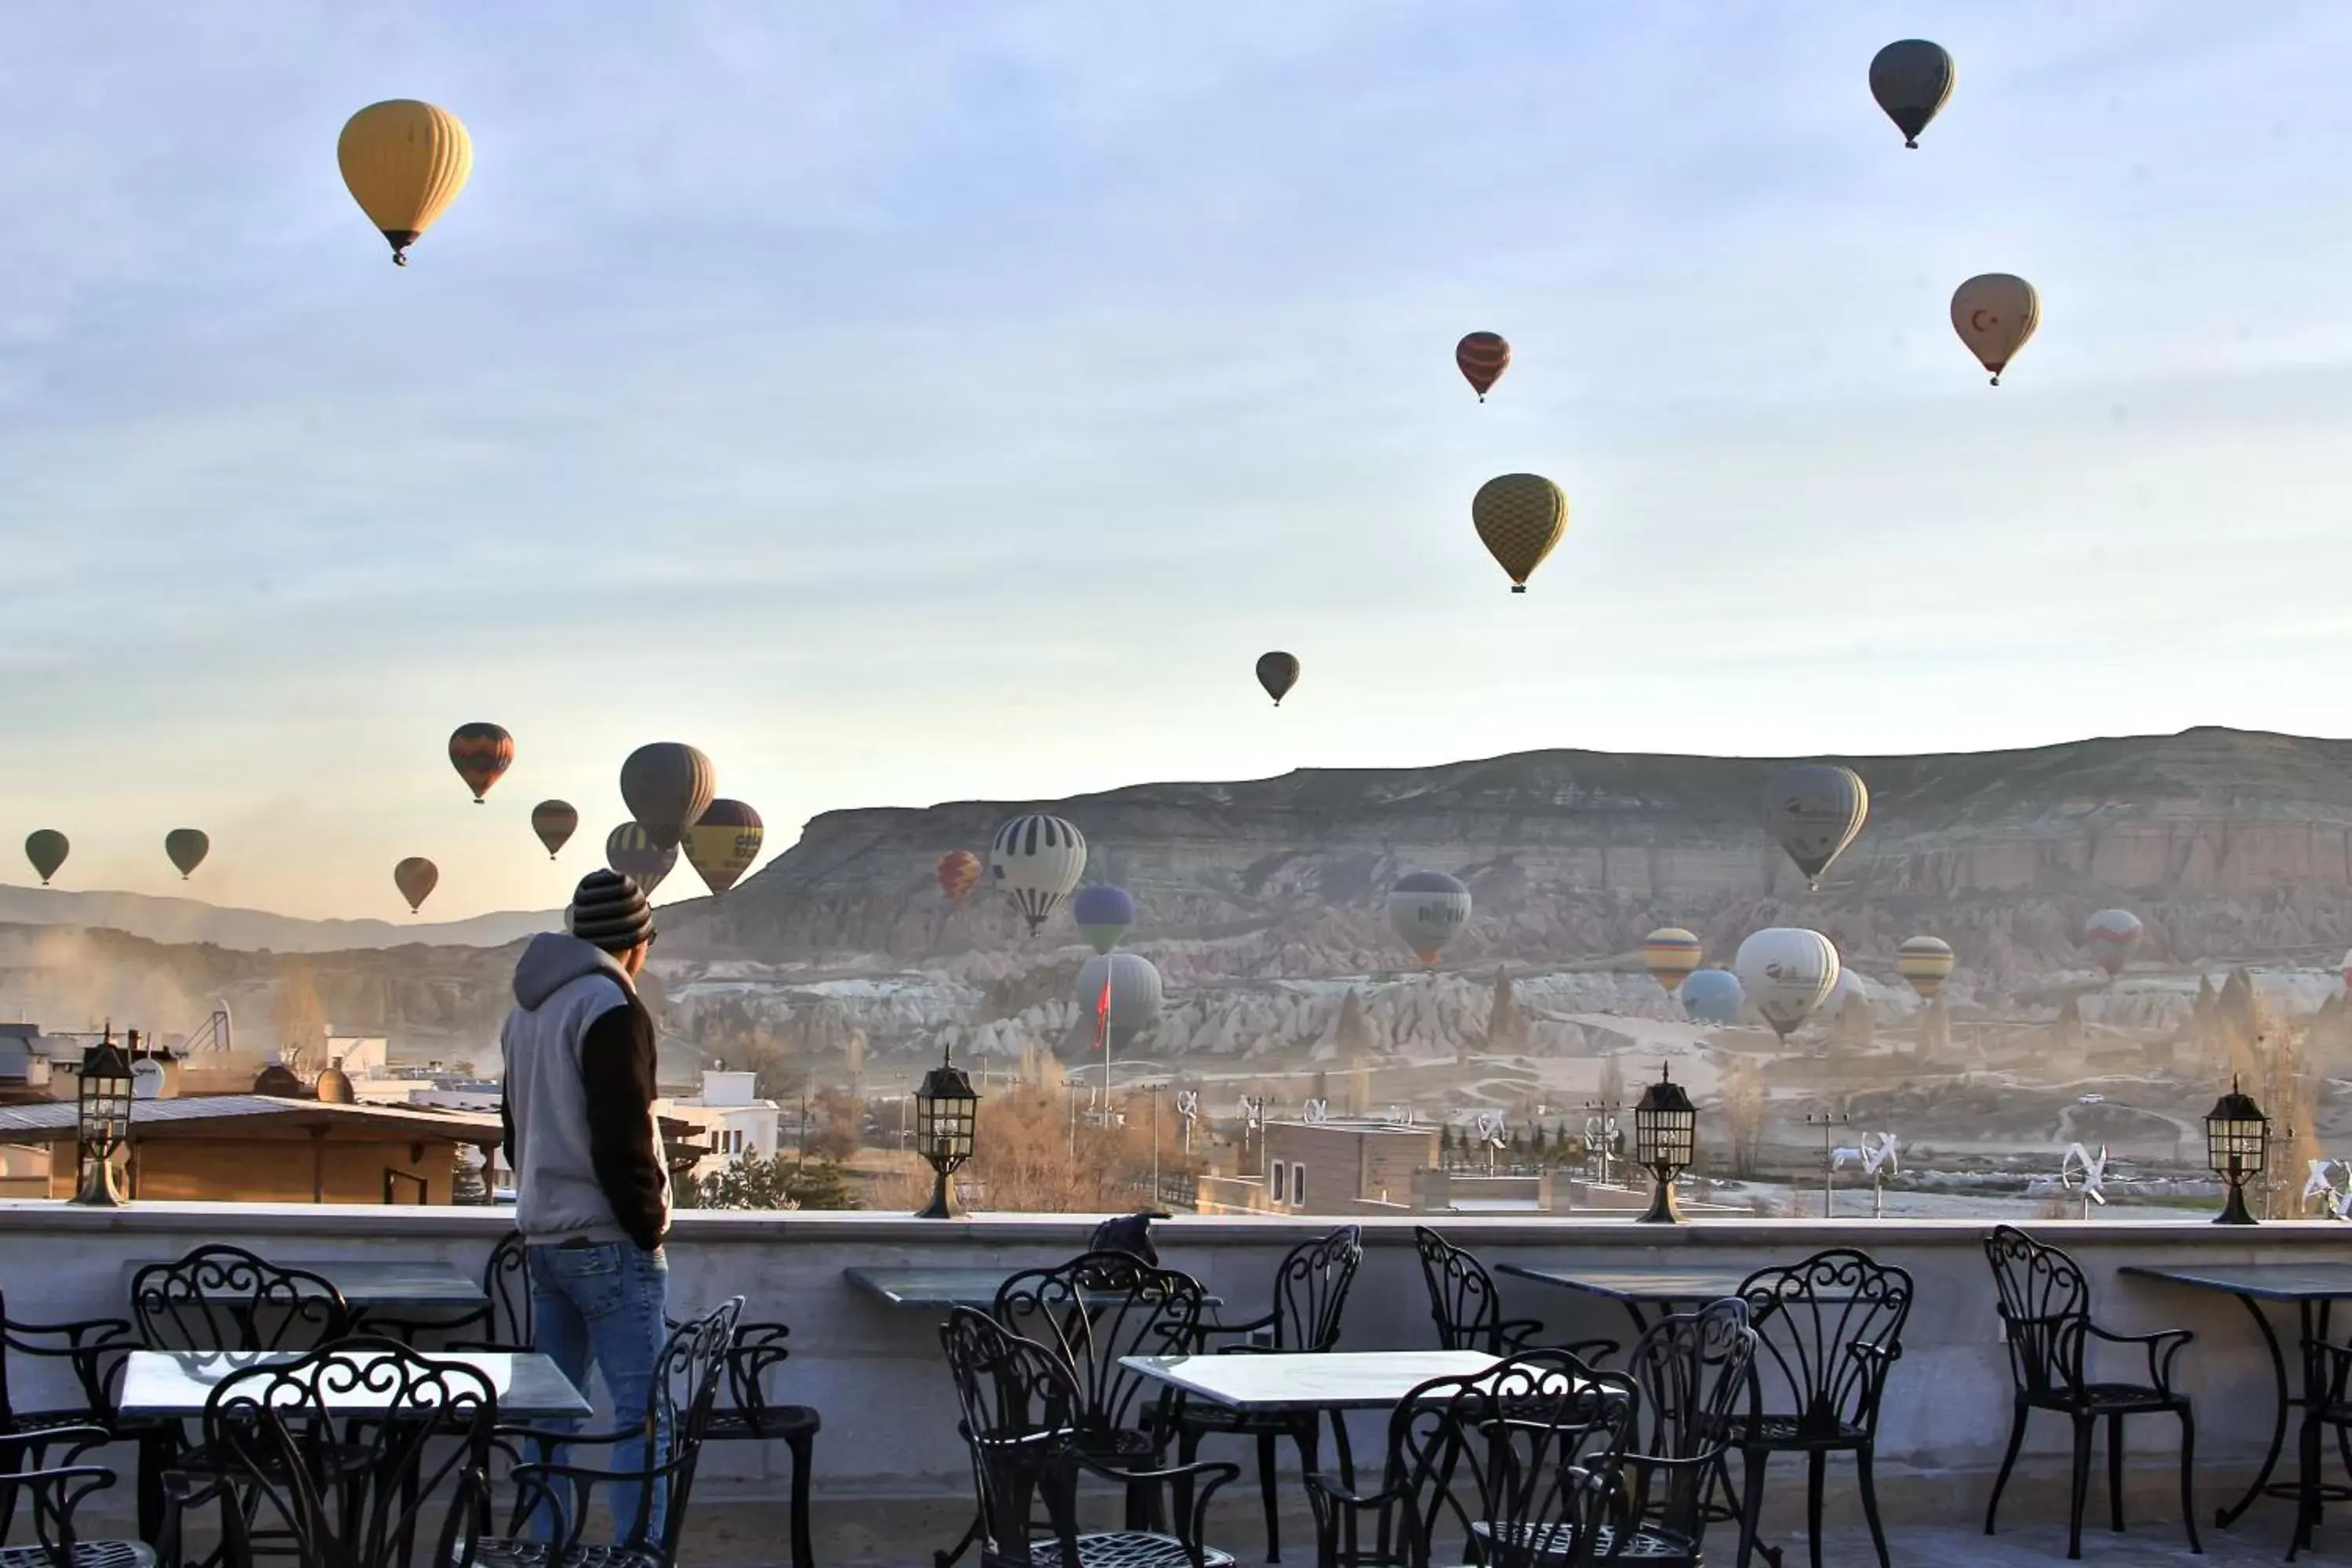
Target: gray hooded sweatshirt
580, 1133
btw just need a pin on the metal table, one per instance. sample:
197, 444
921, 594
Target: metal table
2314, 1289
1330, 1380
937, 1289
175, 1384
427, 1286
1635, 1288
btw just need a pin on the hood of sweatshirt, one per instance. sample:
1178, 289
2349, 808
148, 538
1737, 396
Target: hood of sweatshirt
555, 959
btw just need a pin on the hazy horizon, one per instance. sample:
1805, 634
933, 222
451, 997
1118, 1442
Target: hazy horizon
907, 407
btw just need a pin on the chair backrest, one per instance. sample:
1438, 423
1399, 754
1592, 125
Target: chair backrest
506, 1281
53, 1495
1310, 1289
289, 1431
1461, 1297
1811, 1320
1095, 1309
223, 1297
1692, 1369
1021, 1410
95, 1347
1519, 1463
2045, 1310
685, 1386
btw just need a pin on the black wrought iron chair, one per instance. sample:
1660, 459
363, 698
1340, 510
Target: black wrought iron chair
220, 1298
742, 1413
50, 1497
2332, 1409
1468, 1309
1023, 1414
1515, 1467
1309, 1297
95, 1348
1096, 1310
2046, 1313
1827, 1331
685, 1386
345, 1447
1692, 1369
502, 1322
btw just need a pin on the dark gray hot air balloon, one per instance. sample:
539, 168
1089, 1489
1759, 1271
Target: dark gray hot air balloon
1813, 810
1911, 78
187, 848
1277, 672
667, 787
46, 848
415, 878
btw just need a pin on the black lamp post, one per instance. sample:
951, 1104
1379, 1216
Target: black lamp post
1665, 1135
101, 1120
2237, 1146
946, 1112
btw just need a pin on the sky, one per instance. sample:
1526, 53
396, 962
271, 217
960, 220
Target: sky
907, 402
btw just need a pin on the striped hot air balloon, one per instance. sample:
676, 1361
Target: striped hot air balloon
1036, 859
959, 873
1672, 954
1482, 357
2111, 934
480, 753
1925, 961
1519, 519
631, 850
555, 821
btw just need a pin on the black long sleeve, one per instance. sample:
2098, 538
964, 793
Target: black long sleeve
616, 1069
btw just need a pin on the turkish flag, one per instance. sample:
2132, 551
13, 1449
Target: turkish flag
1102, 1012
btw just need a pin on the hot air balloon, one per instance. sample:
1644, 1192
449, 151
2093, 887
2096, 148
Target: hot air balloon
1277, 672
631, 850
1911, 78
1788, 972
1672, 953
415, 878
1712, 996
958, 872
1995, 313
1926, 961
187, 848
723, 844
1104, 913
480, 753
1136, 993
1813, 810
1482, 357
46, 848
667, 787
1519, 518
2111, 934
1428, 908
555, 821
404, 163
1034, 861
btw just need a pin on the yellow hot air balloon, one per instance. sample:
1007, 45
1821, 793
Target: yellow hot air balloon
1995, 313
404, 162
1672, 954
1925, 961
1519, 518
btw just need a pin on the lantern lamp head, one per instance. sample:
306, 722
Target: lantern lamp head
2237, 1147
102, 1120
947, 1117
1665, 1138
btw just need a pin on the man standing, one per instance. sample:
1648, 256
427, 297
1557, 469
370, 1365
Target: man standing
591, 1189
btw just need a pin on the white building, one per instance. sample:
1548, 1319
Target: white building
733, 1120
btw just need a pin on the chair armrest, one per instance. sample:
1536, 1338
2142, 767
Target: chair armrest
2162, 1346
1513, 1334
1201, 1332
86, 1340
1216, 1472
1591, 1350
1347, 1496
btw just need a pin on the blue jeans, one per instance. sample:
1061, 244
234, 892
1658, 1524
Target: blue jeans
605, 1302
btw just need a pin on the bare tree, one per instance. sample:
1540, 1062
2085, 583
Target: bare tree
1743, 1115
299, 1020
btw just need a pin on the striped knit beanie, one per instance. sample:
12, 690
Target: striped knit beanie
608, 912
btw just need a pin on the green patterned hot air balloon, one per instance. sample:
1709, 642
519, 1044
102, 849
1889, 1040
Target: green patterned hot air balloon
187, 848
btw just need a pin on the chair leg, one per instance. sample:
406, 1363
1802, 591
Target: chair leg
2187, 1473
1266, 1461
1817, 1465
804, 1451
2115, 1473
1751, 1508
1866, 1466
2082, 1488
2007, 1463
